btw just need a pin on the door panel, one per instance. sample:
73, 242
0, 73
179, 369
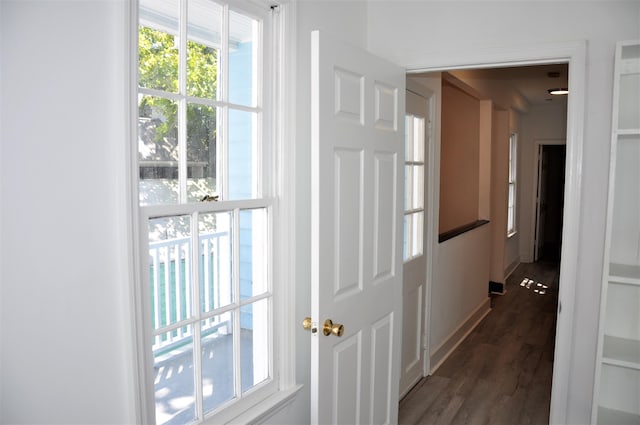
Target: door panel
357, 149
348, 221
412, 332
346, 394
384, 214
382, 371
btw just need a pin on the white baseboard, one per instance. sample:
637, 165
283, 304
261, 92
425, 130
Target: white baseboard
442, 352
510, 268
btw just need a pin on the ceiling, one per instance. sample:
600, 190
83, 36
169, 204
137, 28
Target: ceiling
532, 81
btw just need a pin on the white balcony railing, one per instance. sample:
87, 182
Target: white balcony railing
172, 285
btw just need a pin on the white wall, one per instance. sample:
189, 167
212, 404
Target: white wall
434, 33
459, 288
66, 330
65, 327
548, 122
64, 312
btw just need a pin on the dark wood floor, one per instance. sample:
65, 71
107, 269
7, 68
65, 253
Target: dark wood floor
501, 373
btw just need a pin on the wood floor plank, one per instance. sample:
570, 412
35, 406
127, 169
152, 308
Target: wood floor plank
501, 373
421, 398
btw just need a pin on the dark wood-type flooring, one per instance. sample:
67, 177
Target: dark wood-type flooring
501, 373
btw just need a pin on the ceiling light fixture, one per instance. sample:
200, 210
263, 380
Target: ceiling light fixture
558, 91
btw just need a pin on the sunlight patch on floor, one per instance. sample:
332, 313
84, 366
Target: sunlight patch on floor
536, 287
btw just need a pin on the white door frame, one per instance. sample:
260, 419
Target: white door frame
432, 180
431, 183
536, 184
573, 53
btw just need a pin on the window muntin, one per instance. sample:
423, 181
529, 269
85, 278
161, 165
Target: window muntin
414, 187
199, 102
203, 48
243, 72
511, 204
207, 264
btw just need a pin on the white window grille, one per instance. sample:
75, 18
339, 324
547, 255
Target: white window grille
414, 187
511, 204
206, 206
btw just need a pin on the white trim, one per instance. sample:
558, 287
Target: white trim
513, 179
140, 313
510, 269
407, 212
165, 210
432, 179
455, 338
430, 208
263, 410
285, 157
575, 54
431, 214
282, 187
131, 240
534, 193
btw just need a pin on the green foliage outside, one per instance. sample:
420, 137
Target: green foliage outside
158, 69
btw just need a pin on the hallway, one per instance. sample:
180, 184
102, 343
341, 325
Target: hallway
501, 373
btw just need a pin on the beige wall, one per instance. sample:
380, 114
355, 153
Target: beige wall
459, 153
512, 248
508, 98
484, 161
499, 191
474, 162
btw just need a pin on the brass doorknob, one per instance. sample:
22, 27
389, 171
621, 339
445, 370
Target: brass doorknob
332, 328
307, 324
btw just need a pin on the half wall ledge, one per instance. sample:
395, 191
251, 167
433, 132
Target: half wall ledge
450, 234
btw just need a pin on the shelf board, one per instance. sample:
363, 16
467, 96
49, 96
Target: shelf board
621, 352
624, 273
628, 132
629, 66
617, 417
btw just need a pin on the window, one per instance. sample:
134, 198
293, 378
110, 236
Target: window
206, 206
413, 187
511, 212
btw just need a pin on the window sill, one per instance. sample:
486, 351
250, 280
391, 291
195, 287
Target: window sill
262, 410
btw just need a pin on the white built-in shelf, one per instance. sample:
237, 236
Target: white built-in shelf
628, 132
617, 388
621, 352
629, 66
624, 273
617, 417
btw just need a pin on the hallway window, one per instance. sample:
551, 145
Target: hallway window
511, 212
413, 187
206, 207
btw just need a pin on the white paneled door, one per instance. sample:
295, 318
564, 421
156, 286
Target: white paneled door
415, 235
357, 180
